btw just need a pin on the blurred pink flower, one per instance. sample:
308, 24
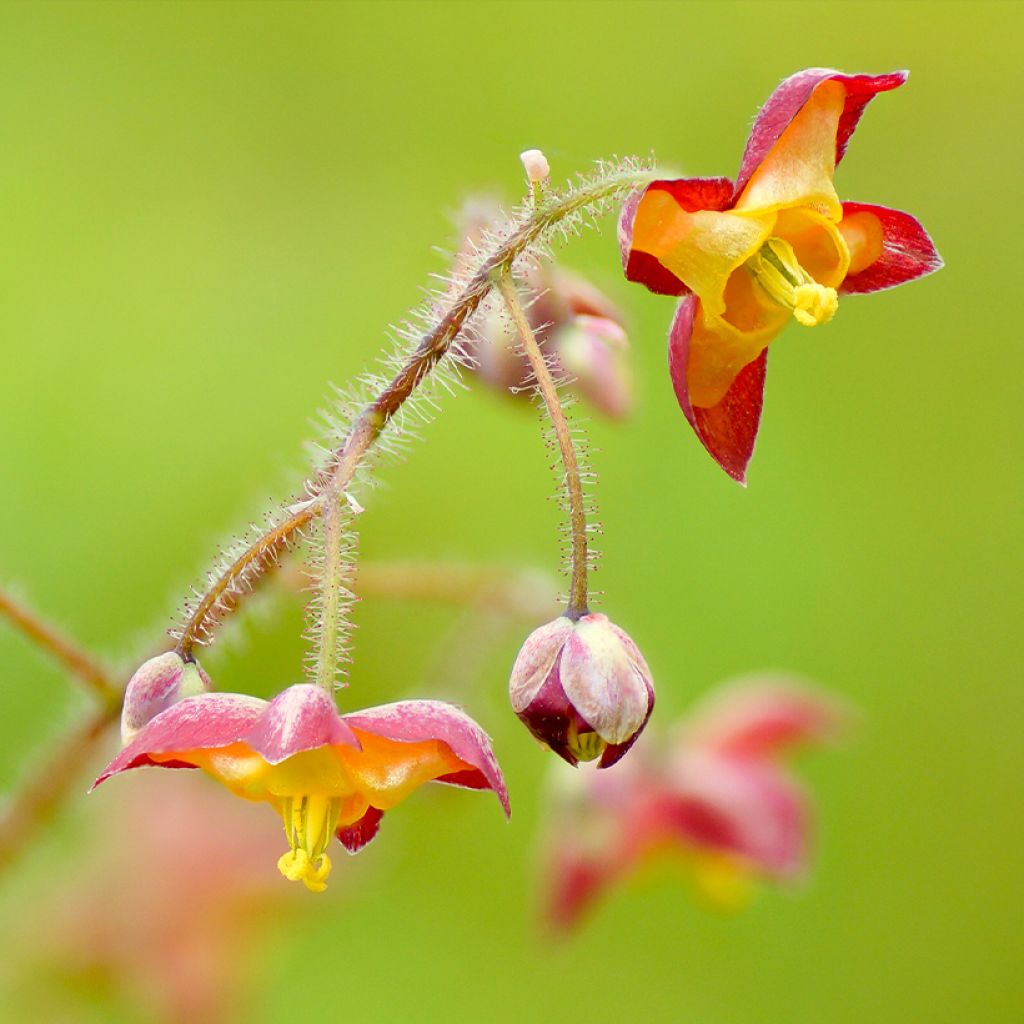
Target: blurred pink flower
578, 328
715, 796
163, 912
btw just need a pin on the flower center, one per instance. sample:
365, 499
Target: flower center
777, 270
584, 746
309, 823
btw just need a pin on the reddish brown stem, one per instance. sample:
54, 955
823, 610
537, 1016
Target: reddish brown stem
78, 662
31, 807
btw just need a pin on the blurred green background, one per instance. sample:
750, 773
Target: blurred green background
211, 210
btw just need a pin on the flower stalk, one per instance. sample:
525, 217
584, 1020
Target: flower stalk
573, 484
535, 226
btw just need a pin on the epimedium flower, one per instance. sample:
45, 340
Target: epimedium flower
327, 775
746, 256
716, 798
580, 330
582, 687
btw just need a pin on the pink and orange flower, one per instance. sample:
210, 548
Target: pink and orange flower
327, 775
716, 799
777, 243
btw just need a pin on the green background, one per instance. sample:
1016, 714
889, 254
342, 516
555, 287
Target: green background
209, 211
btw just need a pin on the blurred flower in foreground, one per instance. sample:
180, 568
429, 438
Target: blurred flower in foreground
715, 798
578, 328
159, 914
582, 688
776, 244
326, 774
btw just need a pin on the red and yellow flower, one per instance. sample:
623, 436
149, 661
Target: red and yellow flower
327, 775
777, 243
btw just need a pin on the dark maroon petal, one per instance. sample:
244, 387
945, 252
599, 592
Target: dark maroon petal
208, 721
728, 430
548, 715
691, 194
303, 717
615, 752
355, 836
785, 103
414, 721
907, 251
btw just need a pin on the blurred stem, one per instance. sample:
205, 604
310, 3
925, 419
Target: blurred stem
573, 484
47, 784
226, 592
78, 662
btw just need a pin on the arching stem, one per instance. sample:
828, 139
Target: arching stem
573, 483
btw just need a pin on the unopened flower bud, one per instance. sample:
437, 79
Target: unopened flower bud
535, 163
593, 350
582, 688
156, 685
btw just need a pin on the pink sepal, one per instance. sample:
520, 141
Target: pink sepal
728, 430
761, 718
691, 194
357, 835
207, 721
746, 807
787, 100
907, 251
415, 721
301, 718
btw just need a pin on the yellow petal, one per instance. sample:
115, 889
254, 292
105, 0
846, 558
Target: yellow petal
798, 169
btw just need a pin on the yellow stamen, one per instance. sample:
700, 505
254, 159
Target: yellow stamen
309, 823
584, 746
777, 270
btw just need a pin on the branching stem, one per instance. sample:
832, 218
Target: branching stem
224, 595
573, 483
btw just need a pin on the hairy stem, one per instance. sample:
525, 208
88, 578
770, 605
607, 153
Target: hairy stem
573, 484
78, 662
330, 593
225, 593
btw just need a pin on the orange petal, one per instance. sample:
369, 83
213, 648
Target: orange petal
798, 169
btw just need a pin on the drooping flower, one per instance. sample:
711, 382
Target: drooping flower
582, 688
579, 329
326, 774
715, 798
776, 243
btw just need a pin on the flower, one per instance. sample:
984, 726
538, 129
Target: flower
715, 797
746, 256
582, 688
578, 327
326, 774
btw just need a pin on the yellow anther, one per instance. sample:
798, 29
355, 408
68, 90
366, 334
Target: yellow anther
777, 270
309, 823
584, 746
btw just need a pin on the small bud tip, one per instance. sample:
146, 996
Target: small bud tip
535, 163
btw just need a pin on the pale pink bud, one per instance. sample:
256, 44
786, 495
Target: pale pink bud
535, 163
582, 688
593, 350
156, 685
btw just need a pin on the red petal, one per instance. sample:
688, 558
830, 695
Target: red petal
414, 721
763, 716
728, 430
355, 836
907, 251
691, 194
301, 718
210, 720
785, 103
